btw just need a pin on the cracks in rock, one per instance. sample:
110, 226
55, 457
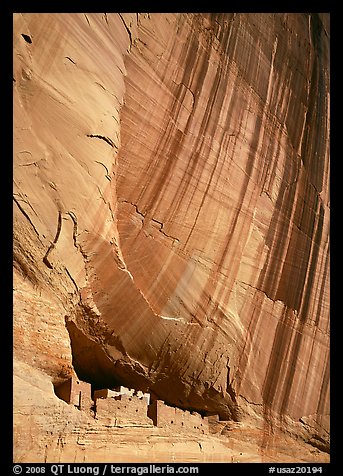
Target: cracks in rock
116, 120
154, 220
122, 266
68, 58
87, 19
292, 322
101, 86
75, 234
265, 192
143, 215
229, 410
103, 199
251, 403
190, 91
127, 30
122, 72
257, 289
23, 260
31, 163
162, 231
121, 263
25, 201
104, 138
72, 279
35, 162
107, 175
75, 229
52, 245
287, 186
112, 94
25, 214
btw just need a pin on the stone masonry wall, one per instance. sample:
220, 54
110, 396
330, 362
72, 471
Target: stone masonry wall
124, 412
166, 416
75, 392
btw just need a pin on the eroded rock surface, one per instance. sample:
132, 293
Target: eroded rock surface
171, 211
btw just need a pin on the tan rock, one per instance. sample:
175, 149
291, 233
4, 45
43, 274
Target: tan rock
171, 215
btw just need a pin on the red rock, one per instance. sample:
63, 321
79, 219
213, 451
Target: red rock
171, 209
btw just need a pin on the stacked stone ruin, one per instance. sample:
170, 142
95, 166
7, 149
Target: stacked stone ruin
163, 415
122, 406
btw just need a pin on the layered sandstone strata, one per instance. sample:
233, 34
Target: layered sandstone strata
171, 209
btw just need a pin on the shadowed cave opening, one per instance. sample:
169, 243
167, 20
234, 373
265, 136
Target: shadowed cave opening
94, 366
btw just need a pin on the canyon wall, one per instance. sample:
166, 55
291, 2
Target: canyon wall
171, 211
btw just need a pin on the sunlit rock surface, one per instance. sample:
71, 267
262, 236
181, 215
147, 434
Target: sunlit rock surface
171, 212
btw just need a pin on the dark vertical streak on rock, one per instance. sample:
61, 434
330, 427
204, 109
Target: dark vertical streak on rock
323, 286
291, 288
307, 289
247, 177
276, 360
208, 128
292, 367
87, 19
194, 158
168, 149
247, 347
278, 231
323, 394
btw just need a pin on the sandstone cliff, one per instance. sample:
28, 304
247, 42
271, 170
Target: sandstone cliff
171, 214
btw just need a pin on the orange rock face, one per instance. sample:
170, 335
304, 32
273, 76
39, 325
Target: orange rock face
171, 209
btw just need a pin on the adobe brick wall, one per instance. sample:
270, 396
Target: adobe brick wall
75, 392
120, 408
128, 411
81, 394
166, 416
195, 422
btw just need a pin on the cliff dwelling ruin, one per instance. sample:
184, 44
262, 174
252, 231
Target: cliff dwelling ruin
122, 406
